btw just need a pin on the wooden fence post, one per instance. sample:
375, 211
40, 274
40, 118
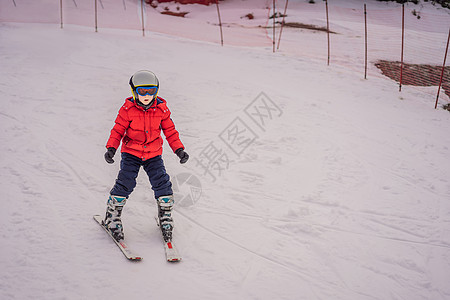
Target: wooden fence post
220, 22
328, 32
142, 17
443, 69
365, 43
282, 24
96, 23
61, 12
273, 26
403, 42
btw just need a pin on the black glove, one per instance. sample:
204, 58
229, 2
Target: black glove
109, 155
182, 155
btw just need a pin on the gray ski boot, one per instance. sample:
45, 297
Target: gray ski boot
113, 213
165, 205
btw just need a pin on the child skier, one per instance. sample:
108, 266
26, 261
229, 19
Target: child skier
138, 125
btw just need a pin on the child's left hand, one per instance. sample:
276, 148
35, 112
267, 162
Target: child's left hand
182, 155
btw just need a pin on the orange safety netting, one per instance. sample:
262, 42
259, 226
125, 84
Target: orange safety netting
305, 33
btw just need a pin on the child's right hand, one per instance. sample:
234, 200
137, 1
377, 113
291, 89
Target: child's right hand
109, 155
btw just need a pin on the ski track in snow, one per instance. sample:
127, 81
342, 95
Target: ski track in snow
344, 195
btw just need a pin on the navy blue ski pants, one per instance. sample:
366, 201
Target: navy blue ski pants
129, 170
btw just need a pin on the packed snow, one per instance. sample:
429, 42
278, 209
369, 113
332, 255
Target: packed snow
305, 181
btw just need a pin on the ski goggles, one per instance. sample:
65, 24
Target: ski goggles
147, 90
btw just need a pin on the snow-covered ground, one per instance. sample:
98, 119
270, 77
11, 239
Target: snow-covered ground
305, 181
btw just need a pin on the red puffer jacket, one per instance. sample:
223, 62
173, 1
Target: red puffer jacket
140, 130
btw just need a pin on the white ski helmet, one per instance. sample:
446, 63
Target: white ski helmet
143, 78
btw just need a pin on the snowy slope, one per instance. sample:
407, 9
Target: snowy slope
341, 194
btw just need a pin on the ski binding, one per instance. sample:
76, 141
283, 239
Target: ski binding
121, 244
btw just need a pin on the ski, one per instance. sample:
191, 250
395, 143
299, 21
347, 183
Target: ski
172, 254
122, 246
170, 250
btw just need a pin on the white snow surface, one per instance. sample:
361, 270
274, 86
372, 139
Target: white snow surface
342, 193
